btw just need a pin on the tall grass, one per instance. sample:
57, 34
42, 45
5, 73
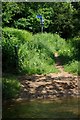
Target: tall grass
37, 56
72, 67
70, 55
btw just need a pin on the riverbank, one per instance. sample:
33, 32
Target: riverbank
48, 86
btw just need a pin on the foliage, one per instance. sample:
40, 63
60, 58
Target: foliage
11, 41
32, 54
70, 55
11, 10
60, 17
76, 18
23, 52
10, 87
66, 53
72, 67
37, 56
75, 42
21, 35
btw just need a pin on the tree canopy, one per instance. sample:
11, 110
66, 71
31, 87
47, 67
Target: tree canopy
60, 17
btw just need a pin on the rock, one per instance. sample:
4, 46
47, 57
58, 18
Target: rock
43, 92
22, 86
25, 90
55, 92
19, 99
50, 86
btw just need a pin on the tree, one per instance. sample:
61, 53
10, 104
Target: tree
58, 17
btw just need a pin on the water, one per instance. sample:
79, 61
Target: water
59, 108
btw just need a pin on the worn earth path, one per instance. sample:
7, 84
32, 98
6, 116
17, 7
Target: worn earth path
53, 85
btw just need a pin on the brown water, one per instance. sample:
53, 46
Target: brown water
68, 108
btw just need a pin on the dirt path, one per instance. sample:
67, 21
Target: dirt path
61, 68
49, 86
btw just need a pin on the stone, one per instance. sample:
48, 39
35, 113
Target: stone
22, 86
25, 90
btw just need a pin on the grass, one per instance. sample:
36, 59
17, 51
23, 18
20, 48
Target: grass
10, 86
37, 56
69, 54
72, 67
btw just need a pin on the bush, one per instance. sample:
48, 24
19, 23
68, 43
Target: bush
69, 54
22, 35
72, 67
75, 42
66, 53
11, 41
11, 87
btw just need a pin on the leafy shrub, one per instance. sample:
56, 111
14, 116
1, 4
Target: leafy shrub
69, 54
72, 67
11, 41
22, 35
36, 56
75, 42
52, 41
10, 87
21, 23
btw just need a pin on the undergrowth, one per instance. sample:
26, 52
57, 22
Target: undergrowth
37, 56
72, 67
10, 87
27, 53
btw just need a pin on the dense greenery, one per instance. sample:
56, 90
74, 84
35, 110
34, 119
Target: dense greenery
23, 52
37, 55
32, 56
11, 87
11, 41
60, 17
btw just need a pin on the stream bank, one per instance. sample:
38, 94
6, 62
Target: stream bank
48, 86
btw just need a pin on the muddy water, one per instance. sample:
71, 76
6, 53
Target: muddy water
68, 108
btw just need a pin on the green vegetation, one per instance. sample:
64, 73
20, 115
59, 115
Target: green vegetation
31, 56
25, 53
37, 55
22, 35
11, 41
60, 17
72, 67
69, 54
11, 87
